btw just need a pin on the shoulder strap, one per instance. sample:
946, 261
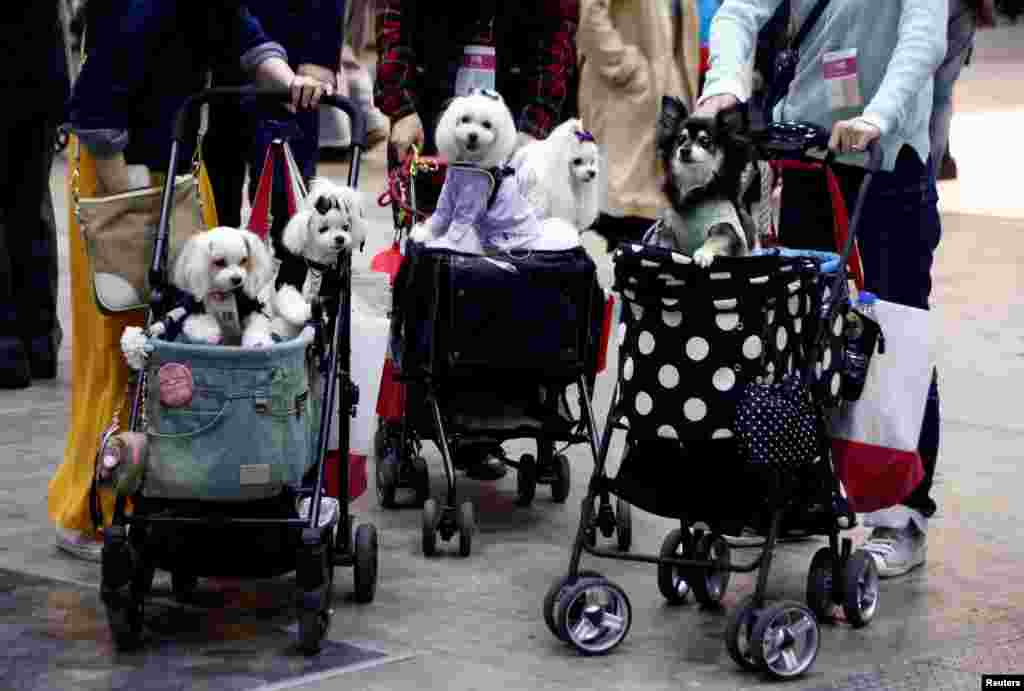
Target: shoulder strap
808, 24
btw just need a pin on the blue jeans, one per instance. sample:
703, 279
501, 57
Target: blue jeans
963, 22
897, 260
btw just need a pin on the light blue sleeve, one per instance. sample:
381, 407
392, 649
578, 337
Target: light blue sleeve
731, 46
920, 49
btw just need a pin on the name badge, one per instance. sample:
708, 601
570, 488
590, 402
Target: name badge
476, 71
840, 70
225, 311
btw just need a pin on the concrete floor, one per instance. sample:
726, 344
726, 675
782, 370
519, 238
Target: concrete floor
451, 623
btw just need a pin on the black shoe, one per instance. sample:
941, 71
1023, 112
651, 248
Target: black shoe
15, 371
42, 356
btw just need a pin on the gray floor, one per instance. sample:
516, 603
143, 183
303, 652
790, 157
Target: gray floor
451, 623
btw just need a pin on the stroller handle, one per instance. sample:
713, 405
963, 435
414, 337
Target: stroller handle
266, 96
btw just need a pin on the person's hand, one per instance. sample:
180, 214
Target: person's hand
307, 91
406, 133
712, 105
852, 136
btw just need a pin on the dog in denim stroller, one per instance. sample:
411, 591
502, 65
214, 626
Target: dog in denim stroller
726, 375
484, 349
233, 476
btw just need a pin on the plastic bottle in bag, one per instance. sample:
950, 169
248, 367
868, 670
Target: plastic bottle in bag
857, 353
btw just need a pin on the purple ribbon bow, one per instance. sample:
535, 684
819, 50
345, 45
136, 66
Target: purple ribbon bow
584, 136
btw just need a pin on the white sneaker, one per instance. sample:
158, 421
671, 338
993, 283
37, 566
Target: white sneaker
80, 545
897, 550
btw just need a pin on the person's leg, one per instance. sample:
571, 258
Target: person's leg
14, 365
897, 268
959, 40
224, 148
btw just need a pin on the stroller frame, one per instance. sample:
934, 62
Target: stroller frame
593, 614
402, 439
127, 571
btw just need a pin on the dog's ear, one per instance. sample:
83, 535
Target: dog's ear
673, 115
296, 232
192, 268
732, 121
352, 201
444, 131
261, 264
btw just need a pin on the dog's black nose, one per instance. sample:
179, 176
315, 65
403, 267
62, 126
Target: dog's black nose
473, 136
339, 241
236, 280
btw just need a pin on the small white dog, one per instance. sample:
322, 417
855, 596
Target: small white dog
223, 270
558, 175
481, 208
331, 222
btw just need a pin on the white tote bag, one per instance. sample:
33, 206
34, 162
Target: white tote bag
875, 439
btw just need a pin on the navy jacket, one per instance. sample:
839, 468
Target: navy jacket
34, 80
144, 58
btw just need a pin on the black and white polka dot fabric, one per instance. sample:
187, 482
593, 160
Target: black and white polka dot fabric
778, 426
690, 338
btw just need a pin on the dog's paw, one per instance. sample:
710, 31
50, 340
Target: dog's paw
136, 347
291, 307
703, 257
202, 329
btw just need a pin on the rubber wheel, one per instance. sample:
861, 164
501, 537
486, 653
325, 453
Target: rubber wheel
125, 621
380, 440
183, 585
819, 585
593, 627
623, 524
313, 628
466, 523
672, 580
387, 480
560, 483
785, 640
421, 479
555, 591
709, 585
860, 589
526, 480
739, 629
431, 516
365, 566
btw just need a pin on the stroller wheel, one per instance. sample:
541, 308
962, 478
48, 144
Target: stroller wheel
738, 631
623, 524
860, 589
560, 482
671, 580
526, 479
387, 479
125, 620
421, 478
313, 628
553, 595
593, 615
819, 585
365, 557
183, 585
785, 639
431, 517
466, 523
709, 584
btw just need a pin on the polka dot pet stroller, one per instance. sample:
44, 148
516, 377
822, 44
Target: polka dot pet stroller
725, 375
234, 469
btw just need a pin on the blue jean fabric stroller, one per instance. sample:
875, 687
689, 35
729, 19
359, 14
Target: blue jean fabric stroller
722, 371
234, 477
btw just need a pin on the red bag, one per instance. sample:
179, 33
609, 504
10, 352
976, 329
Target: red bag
261, 217
606, 332
391, 399
357, 479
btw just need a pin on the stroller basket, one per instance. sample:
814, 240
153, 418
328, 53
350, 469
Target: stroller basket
692, 339
534, 315
244, 429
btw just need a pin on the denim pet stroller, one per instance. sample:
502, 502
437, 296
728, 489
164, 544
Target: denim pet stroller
234, 475
725, 377
485, 349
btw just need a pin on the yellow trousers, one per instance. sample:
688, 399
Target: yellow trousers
99, 375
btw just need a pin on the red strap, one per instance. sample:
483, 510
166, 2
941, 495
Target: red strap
840, 214
259, 220
290, 186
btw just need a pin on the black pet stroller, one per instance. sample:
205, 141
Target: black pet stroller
725, 377
234, 477
484, 350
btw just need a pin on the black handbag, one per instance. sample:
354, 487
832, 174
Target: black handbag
778, 426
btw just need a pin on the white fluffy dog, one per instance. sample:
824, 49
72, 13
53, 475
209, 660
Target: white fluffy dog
558, 175
481, 208
223, 270
332, 221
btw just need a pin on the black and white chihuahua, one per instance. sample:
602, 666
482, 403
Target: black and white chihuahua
704, 167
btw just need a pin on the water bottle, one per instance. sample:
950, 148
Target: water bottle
858, 348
